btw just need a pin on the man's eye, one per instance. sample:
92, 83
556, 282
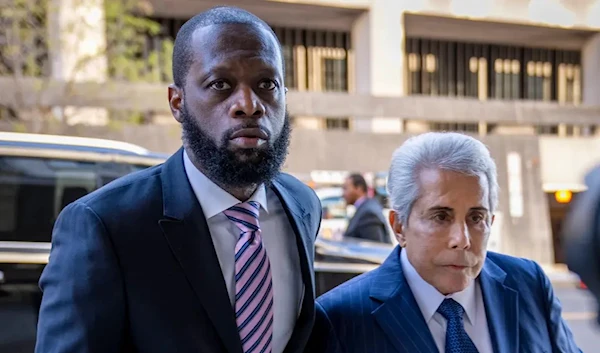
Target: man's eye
441, 217
268, 85
476, 218
220, 85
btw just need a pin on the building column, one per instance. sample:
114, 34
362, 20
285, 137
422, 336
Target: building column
77, 40
591, 71
378, 44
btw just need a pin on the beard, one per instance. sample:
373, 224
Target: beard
235, 167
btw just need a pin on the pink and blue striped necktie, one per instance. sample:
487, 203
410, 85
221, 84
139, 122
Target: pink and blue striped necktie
253, 282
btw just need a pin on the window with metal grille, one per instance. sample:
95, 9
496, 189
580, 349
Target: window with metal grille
546, 129
458, 127
319, 61
316, 60
490, 71
569, 130
337, 124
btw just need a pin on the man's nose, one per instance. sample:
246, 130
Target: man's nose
246, 104
459, 236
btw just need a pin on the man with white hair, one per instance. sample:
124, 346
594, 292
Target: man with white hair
440, 290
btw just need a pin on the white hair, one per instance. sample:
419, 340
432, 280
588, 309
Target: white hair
441, 150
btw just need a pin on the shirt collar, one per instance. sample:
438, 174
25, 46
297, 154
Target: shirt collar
211, 197
429, 299
360, 201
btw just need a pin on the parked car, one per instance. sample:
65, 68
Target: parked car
39, 176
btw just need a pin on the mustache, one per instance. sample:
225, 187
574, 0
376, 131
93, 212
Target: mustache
229, 132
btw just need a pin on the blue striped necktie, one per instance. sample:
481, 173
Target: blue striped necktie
253, 282
457, 339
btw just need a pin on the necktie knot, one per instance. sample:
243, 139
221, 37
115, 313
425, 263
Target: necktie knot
451, 310
245, 216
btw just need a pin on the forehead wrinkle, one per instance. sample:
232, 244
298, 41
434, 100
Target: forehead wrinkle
227, 49
220, 39
247, 41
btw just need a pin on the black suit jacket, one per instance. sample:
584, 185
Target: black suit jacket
133, 269
368, 223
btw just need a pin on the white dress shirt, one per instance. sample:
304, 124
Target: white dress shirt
278, 239
429, 300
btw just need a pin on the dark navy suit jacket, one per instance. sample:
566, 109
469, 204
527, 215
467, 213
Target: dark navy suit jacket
377, 312
368, 223
133, 269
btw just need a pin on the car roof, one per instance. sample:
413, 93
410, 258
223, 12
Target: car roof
329, 192
73, 143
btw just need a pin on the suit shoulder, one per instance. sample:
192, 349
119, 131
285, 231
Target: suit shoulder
371, 211
297, 187
374, 207
339, 299
517, 267
131, 189
375, 204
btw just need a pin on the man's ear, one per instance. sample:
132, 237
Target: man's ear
176, 102
397, 226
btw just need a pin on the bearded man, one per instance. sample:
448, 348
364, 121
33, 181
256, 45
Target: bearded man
211, 251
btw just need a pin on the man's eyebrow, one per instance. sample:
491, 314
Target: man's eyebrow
449, 209
222, 69
216, 69
441, 208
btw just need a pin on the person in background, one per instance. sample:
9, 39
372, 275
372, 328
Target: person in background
440, 290
368, 222
211, 251
581, 234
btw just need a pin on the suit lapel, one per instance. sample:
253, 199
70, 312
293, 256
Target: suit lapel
300, 221
187, 233
502, 309
399, 315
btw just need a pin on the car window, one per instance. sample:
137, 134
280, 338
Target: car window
33, 191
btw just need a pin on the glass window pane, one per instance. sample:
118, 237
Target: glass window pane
33, 191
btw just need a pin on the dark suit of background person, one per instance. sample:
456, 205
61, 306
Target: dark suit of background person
368, 222
492, 302
581, 234
146, 263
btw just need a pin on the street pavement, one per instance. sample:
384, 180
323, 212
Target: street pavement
579, 310
17, 321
